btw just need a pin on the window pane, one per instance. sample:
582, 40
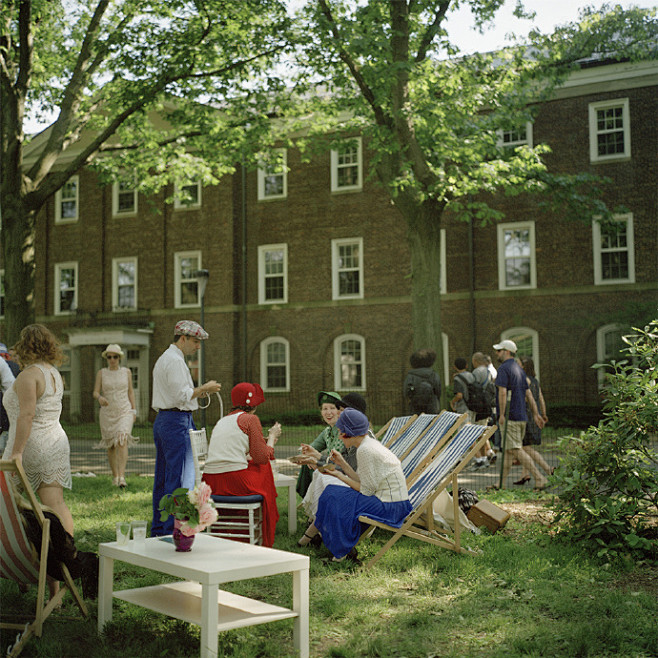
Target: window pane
273, 184
276, 365
188, 266
350, 364
189, 293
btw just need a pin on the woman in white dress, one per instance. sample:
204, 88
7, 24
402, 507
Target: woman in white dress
116, 397
34, 406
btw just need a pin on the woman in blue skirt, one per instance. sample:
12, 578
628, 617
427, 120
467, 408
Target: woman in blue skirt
378, 490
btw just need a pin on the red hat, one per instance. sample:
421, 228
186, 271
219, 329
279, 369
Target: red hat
247, 395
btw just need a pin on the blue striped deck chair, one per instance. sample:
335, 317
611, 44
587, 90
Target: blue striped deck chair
20, 562
411, 434
431, 441
441, 471
392, 429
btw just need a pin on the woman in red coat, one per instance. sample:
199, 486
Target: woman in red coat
238, 462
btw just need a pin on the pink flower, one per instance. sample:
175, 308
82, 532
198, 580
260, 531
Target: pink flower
204, 492
207, 516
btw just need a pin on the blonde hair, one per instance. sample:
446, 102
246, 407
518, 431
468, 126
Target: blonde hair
38, 343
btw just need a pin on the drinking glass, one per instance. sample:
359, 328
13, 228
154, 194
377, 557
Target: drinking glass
139, 533
123, 532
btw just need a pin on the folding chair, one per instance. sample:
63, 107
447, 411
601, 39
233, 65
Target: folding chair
404, 442
199, 451
442, 470
392, 429
19, 560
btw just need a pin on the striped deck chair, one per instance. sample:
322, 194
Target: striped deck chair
442, 470
19, 560
392, 429
404, 442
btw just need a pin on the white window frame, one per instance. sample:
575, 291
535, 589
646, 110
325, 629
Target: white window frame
116, 191
336, 269
516, 333
335, 166
263, 275
601, 355
502, 272
594, 132
598, 250
517, 142
57, 300
115, 283
3, 294
179, 280
338, 380
180, 204
264, 364
277, 169
60, 198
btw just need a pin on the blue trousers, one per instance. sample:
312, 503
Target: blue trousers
174, 464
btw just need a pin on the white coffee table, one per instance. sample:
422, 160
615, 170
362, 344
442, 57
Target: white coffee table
197, 599
281, 480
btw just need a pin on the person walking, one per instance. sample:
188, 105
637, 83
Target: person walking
174, 400
116, 397
511, 382
422, 385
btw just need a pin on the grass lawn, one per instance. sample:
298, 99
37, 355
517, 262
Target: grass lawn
523, 595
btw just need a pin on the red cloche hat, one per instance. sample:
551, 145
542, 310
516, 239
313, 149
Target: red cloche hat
245, 394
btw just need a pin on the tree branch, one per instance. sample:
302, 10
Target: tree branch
431, 31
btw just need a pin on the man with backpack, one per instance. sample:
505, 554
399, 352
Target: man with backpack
422, 386
475, 395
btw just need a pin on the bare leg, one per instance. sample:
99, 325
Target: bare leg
121, 457
527, 463
112, 458
52, 495
535, 455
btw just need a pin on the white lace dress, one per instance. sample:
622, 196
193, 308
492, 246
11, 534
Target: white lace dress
117, 418
47, 454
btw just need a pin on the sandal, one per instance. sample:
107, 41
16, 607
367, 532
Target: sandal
522, 481
122, 483
306, 539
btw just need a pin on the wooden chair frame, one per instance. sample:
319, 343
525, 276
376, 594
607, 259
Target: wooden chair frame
441, 471
20, 561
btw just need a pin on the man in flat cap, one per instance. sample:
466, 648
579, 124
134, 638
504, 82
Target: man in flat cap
174, 400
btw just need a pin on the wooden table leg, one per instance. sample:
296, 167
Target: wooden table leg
105, 589
209, 621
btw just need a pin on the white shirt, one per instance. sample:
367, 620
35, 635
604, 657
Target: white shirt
380, 472
172, 382
6, 375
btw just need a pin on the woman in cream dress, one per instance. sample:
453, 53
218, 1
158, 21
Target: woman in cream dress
115, 395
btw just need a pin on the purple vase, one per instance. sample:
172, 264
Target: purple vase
183, 543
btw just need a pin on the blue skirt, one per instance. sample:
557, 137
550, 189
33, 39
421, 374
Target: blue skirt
338, 514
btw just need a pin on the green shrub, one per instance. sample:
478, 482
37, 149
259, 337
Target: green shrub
608, 479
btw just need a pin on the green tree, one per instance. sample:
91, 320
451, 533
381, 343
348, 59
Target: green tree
174, 89
388, 70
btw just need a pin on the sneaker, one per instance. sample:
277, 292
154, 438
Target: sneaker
478, 463
492, 456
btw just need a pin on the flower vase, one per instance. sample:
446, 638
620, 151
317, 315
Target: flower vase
183, 543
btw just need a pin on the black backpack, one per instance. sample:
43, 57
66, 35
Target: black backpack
481, 397
421, 393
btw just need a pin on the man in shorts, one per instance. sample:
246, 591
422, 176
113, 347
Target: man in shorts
511, 383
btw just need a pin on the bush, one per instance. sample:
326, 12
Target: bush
608, 479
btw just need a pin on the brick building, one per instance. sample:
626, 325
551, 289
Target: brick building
308, 270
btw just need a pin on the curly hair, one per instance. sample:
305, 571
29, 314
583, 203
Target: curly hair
38, 343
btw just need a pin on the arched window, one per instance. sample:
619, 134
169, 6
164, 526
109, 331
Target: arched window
275, 364
609, 346
527, 343
349, 363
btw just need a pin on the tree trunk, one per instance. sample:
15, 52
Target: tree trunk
17, 238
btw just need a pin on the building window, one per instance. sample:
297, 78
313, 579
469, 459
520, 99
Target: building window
273, 274
346, 167
516, 256
66, 201
609, 130
610, 346
273, 177
347, 268
124, 199
527, 343
66, 288
2, 293
613, 250
186, 264
519, 136
187, 196
274, 364
124, 284
349, 363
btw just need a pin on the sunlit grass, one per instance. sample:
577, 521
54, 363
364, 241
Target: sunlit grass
523, 595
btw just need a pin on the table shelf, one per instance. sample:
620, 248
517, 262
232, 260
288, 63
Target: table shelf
182, 600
